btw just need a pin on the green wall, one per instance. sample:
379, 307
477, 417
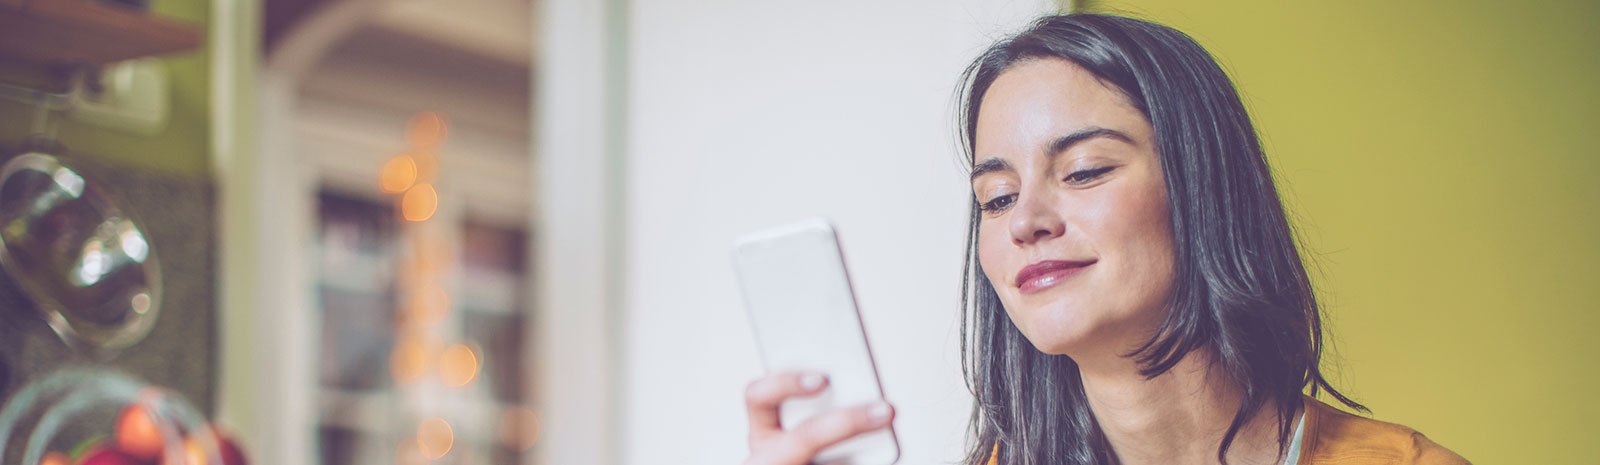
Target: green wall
1439, 159
182, 149
165, 182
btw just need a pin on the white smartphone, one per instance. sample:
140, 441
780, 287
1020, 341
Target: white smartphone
798, 295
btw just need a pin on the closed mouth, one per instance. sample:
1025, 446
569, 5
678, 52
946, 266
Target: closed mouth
1045, 274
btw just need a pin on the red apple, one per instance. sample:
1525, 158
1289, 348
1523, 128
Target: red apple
231, 453
137, 434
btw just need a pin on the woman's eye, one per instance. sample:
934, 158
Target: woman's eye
1084, 176
999, 203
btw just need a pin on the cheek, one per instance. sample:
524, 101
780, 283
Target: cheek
1132, 225
991, 252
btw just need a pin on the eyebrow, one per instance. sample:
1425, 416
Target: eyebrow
1060, 144
988, 166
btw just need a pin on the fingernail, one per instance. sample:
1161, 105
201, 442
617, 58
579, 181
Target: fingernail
879, 412
811, 382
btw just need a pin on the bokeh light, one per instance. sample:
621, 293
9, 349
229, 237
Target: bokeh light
458, 365
519, 428
409, 360
412, 274
426, 130
429, 304
397, 174
410, 453
427, 165
430, 250
435, 437
419, 203
140, 302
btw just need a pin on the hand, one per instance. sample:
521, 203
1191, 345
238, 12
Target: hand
771, 445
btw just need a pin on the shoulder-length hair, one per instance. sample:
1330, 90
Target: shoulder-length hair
1240, 289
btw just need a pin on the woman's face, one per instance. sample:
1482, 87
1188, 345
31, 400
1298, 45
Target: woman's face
1074, 232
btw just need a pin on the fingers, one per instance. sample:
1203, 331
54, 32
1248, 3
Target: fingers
763, 396
831, 428
770, 444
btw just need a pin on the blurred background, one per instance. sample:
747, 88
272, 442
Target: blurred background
497, 231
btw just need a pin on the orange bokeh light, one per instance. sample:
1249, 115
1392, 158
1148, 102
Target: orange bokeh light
435, 437
410, 453
409, 360
519, 428
426, 130
419, 203
458, 365
429, 304
430, 250
397, 174
427, 165
414, 272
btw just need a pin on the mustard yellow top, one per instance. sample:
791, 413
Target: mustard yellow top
1333, 437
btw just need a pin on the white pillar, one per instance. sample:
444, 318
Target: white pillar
578, 225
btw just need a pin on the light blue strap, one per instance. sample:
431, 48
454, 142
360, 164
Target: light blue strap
1293, 456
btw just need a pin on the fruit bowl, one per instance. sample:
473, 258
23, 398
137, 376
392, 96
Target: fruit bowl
93, 416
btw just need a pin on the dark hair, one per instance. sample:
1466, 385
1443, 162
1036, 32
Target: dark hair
1240, 289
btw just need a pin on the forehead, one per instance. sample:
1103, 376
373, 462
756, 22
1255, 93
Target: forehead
1034, 101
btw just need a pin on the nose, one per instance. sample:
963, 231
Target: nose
1036, 219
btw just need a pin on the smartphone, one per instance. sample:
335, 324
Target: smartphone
798, 295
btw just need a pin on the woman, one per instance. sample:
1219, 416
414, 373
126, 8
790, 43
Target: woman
1134, 293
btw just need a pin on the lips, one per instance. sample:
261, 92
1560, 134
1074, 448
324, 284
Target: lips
1045, 274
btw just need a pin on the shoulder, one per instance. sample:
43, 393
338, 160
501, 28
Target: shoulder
1333, 436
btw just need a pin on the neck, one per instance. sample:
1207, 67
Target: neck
1179, 417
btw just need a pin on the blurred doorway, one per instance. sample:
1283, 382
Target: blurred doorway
401, 128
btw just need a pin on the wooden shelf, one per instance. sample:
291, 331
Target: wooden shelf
86, 32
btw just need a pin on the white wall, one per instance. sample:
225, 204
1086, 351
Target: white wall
743, 115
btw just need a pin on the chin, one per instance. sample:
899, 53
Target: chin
1057, 333
1050, 347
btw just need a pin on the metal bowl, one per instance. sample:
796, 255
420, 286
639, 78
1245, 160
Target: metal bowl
83, 262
